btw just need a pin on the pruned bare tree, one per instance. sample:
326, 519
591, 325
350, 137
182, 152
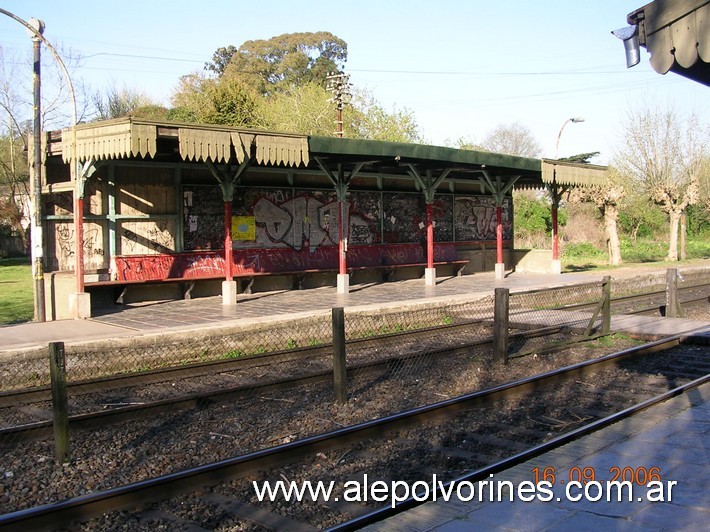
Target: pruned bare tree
513, 139
662, 154
608, 198
116, 102
16, 104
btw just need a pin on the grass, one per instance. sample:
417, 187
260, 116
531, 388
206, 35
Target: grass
16, 291
585, 257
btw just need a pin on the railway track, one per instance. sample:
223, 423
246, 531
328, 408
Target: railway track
452, 340
98, 403
475, 434
654, 302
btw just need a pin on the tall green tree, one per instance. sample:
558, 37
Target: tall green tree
227, 100
279, 84
304, 109
366, 118
280, 62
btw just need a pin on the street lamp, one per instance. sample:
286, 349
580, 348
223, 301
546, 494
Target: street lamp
36, 29
574, 120
555, 194
36, 220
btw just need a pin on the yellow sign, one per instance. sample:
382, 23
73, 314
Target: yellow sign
243, 228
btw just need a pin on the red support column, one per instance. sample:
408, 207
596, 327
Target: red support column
429, 236
342, 255
79, 242
555, 239
499, 235
228, 240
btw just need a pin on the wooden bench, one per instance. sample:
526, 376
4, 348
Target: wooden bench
187, 284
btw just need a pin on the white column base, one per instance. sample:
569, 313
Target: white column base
343, 283
500, 270
80, 305
556, 266
429, 276
229, 292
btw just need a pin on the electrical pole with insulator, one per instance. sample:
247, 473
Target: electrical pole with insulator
339, 85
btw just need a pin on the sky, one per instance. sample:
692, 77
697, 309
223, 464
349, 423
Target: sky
461, 67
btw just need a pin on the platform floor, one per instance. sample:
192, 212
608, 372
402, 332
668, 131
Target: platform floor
673, 436
164, 317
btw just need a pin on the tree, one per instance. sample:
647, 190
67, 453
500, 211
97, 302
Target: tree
226, 100
283, 61
303, 109
663, 155
220, 59
279, 84
369, 120
608, 199
118, 102
513, 139
16, 110
14, 167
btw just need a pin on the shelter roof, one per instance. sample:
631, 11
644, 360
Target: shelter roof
677, 35
131, 138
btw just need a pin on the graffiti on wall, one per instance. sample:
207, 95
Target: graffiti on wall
210, 264
475, 218
147, 237
62, 239
306, 220
203, 217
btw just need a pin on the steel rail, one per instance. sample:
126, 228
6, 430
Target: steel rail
502, 465
160, 488
126, 380
95, 419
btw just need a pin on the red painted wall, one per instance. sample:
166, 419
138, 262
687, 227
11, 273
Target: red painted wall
206, 264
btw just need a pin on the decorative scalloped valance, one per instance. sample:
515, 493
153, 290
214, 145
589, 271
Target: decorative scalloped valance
564, 173
204, 144
685, 41
289, 151
130, 137
114, 140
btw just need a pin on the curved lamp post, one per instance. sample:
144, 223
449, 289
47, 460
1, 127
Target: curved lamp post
556, 263
574, 120
35, 29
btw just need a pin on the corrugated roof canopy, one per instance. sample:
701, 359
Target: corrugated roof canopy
130, 137
677, 35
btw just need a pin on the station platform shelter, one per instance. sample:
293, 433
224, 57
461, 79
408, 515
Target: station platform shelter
135, 209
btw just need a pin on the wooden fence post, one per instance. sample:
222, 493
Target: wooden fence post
340, 379
60, 405
500, 324
672, 306
606, 304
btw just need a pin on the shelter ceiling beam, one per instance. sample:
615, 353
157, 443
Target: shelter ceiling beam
86, 170
496, 186
341, 179
227, 176
428, 183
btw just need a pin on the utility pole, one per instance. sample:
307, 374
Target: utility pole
37, 240
339, 85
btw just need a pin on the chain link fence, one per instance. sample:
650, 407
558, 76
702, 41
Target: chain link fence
410, 355
650, 294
